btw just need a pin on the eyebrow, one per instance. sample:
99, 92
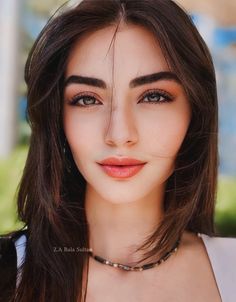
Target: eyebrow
142, 80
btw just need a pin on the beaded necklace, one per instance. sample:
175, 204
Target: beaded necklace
136, 268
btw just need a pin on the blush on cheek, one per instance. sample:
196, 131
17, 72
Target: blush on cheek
177, 130
167, 143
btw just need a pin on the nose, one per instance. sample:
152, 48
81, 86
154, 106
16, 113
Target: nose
121, 128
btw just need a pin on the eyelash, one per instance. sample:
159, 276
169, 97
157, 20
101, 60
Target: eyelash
160, 93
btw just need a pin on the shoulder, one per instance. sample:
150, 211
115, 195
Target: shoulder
220, 246
8, 245
12, 240
9, 259
221, 252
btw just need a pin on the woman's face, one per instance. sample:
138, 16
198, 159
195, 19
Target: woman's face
146, 119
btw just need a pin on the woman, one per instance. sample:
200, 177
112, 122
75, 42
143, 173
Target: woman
118, 191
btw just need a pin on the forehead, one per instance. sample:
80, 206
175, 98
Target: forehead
133, 51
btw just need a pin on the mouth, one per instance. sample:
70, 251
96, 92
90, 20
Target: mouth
122, 171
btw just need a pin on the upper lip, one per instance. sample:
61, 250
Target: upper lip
122, 161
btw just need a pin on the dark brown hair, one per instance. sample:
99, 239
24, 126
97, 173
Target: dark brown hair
51, 192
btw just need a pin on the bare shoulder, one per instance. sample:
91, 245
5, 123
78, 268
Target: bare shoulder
193, 271
221, 252
213, 260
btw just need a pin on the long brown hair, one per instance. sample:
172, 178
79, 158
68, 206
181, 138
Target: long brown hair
52, 190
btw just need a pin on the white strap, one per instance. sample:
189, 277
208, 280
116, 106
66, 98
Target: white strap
20, 252
222, 254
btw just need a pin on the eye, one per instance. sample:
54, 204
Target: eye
157, 97
83, 100
153, 97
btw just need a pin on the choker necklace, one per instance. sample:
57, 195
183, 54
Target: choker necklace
136, 268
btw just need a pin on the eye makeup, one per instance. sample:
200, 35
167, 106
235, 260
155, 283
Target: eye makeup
153, 96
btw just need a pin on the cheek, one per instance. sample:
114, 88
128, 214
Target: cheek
166, 132
80, 133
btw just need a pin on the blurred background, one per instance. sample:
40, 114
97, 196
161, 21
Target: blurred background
21, 22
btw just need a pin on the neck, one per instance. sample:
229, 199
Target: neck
117, 229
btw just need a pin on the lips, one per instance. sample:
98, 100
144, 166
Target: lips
121, 167
124, 161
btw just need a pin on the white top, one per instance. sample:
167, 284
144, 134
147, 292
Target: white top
221, 252
20, 252
222, 255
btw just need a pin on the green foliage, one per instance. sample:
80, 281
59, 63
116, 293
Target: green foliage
225, 216
10, 173
45, 7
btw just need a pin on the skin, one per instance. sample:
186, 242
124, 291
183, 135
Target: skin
121, 213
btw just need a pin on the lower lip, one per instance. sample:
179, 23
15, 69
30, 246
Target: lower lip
122, 171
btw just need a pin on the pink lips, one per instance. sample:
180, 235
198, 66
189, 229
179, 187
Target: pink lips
121, 167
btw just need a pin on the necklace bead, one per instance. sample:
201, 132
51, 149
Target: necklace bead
137, 268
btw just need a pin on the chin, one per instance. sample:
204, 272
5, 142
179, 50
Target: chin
117, 194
